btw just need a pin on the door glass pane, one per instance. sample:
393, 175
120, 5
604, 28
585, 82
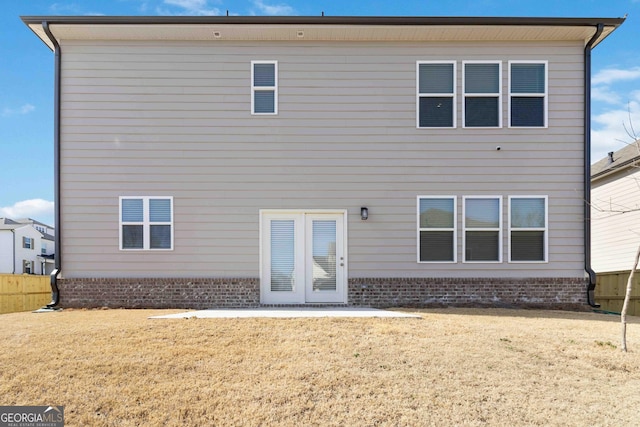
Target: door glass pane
282, 255
324, 255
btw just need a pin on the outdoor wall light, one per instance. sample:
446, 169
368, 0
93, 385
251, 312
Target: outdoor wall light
364, 213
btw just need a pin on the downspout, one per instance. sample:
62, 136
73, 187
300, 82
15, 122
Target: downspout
587, 167
14, 251
55, 292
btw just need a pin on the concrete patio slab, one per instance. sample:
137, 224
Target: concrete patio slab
287, 313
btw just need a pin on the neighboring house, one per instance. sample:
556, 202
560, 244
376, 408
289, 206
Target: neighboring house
26, 247
378, 161
615, 210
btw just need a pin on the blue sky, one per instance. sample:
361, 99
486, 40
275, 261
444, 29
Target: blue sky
26, 71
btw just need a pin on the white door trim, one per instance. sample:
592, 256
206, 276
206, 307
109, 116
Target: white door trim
300, 217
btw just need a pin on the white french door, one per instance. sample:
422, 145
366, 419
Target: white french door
303, 257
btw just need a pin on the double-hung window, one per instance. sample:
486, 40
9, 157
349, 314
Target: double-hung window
528, 93
146, 223
27, 243
528, 230
264, 87
436, 94
437, 229
482, 225
482, 94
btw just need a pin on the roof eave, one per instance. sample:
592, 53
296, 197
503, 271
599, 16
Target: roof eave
35, 22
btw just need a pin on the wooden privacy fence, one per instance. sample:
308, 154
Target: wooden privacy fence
23, 292
610, 290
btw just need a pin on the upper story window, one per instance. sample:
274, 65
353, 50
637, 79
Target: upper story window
146, 223
482, 225
528, 229
264, 87
528, 93
43, 250
482, 90
437, 229
436, 94
27, 243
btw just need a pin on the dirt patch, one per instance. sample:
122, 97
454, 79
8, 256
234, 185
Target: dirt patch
451, 366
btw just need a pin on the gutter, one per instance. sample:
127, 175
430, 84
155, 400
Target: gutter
620, 166
587, 167
321, 20
55, 291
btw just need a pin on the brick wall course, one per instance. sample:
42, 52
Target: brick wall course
198, 293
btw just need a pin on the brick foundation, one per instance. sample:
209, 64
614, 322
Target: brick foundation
201, 293
568, 293
159, 293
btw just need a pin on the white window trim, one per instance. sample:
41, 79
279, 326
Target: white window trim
533, 95
545, 229
465, 95
255, 89
146, 223
434, 95
454, 229
28, 243
464, 229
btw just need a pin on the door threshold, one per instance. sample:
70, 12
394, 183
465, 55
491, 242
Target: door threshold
309, 305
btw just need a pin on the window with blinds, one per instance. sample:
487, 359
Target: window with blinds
264, 87
528, 93
482, 94
482, 225
146, 223
436, 92
27, 243
283, 255
437, 229
528, 229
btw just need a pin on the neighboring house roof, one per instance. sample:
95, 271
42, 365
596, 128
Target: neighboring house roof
9, 227
364, 28
9, 224
627, 157
32, 221
7, 221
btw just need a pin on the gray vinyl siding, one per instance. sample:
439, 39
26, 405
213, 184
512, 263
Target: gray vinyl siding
614, 235
174, 119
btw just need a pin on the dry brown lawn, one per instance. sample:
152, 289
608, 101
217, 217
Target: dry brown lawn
451, 367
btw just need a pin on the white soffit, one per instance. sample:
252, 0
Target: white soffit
283, 32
